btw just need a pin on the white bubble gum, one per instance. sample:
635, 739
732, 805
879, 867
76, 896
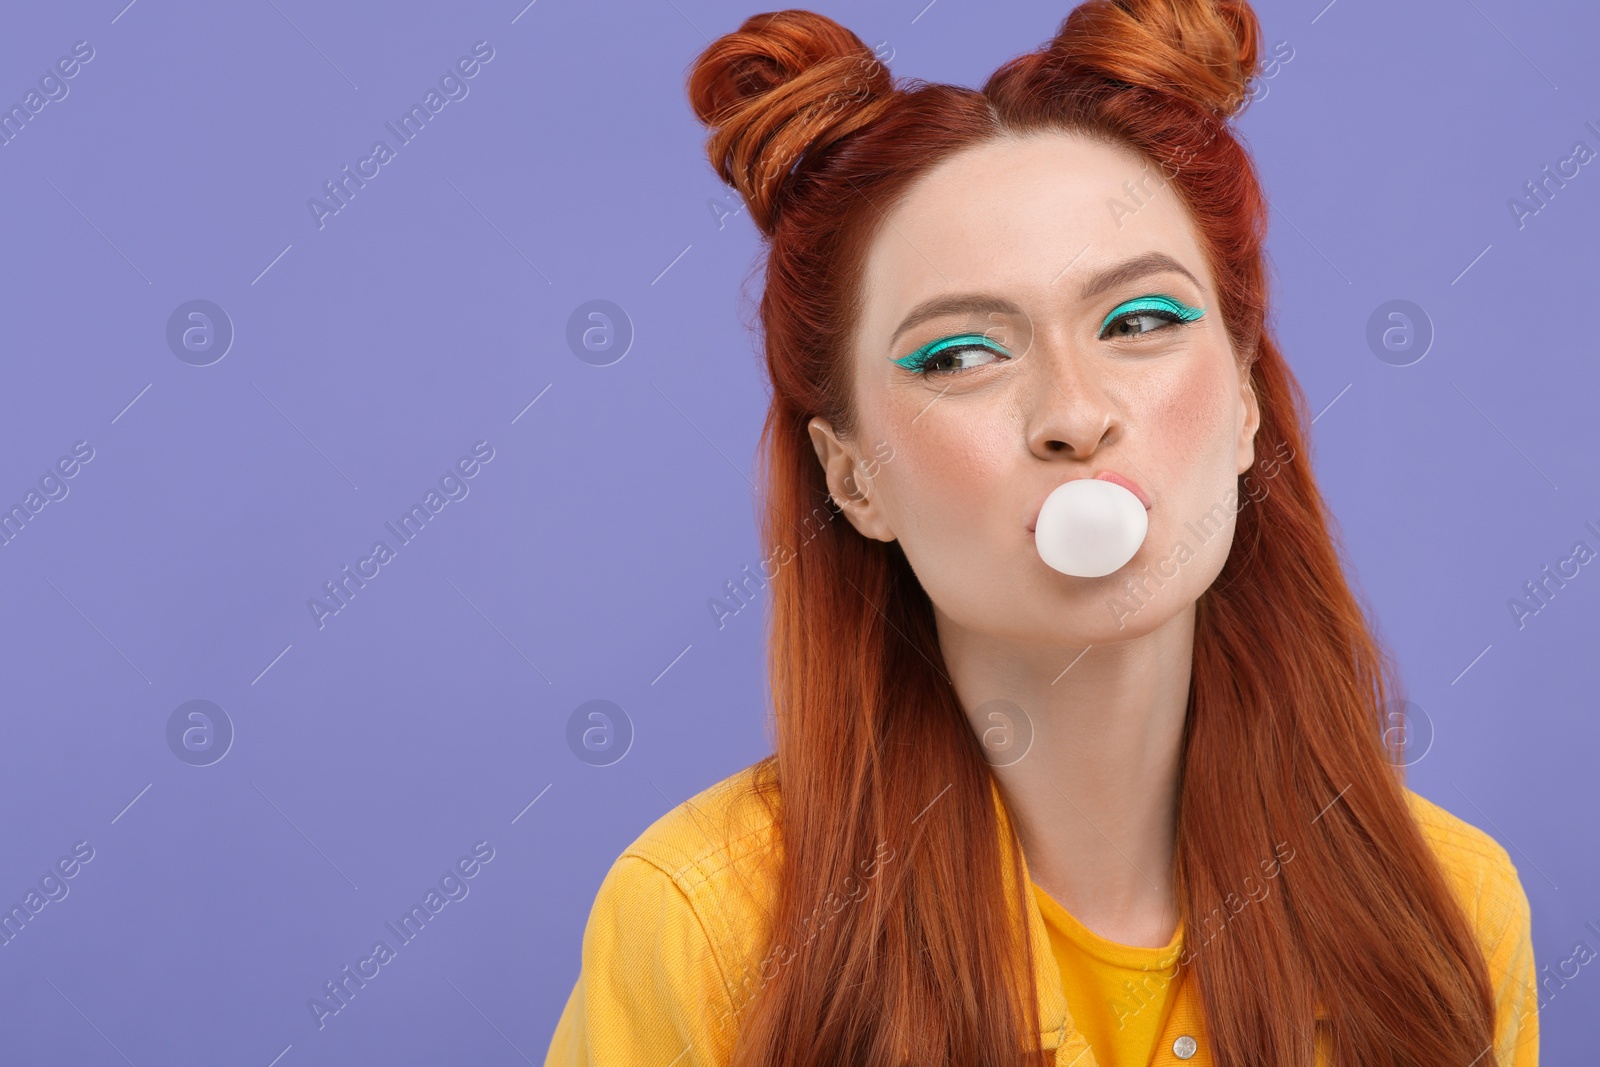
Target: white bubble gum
1090, 527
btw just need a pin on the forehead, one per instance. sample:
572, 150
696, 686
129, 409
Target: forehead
1024, 216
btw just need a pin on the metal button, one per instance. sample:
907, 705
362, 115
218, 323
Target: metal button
1185, 1047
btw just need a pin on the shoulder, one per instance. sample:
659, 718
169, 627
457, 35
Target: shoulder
671, 937
1476, 864
726, 825
1490, 889
719, 849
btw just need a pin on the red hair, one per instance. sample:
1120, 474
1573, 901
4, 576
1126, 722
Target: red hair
1288, 684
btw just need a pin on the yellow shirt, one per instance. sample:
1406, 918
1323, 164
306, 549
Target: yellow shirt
1119, 994
674, 945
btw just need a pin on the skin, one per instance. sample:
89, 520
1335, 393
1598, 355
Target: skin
977, 448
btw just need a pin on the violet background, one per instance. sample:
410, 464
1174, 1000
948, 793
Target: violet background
432, 312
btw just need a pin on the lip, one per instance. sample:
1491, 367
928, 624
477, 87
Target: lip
1106, 476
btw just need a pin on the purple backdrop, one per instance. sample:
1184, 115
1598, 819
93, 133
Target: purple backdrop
218, 398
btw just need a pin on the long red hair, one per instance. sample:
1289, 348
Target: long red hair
1285, 709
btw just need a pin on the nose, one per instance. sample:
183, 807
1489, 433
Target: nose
1070, 410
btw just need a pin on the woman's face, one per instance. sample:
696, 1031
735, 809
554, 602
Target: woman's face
1068, 268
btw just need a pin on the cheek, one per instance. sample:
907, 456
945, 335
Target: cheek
1192, 414
947, 463
1192, 417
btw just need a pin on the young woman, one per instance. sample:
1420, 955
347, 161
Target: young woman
1014, 816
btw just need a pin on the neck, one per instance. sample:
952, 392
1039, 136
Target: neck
1094, 796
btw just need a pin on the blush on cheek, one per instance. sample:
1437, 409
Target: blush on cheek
943, 438
948, 467
1195, 411
929, 467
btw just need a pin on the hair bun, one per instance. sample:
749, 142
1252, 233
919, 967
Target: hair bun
1204, 51
784, 86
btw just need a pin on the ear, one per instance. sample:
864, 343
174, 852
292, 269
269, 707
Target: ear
848, 484
1249, 422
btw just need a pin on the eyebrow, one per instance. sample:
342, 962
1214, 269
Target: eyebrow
981, 303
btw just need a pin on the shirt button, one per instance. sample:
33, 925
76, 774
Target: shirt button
1185, 1047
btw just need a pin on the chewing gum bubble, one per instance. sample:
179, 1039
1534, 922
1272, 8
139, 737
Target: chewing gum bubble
1089, 527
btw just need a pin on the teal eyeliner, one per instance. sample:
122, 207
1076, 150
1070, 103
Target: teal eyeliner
915, 361
1176, 308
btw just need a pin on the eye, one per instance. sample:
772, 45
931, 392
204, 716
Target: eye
933, 358
1146, 314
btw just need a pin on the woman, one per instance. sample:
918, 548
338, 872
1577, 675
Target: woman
1015, 816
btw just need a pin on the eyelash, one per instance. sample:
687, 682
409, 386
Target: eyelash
1155, 306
